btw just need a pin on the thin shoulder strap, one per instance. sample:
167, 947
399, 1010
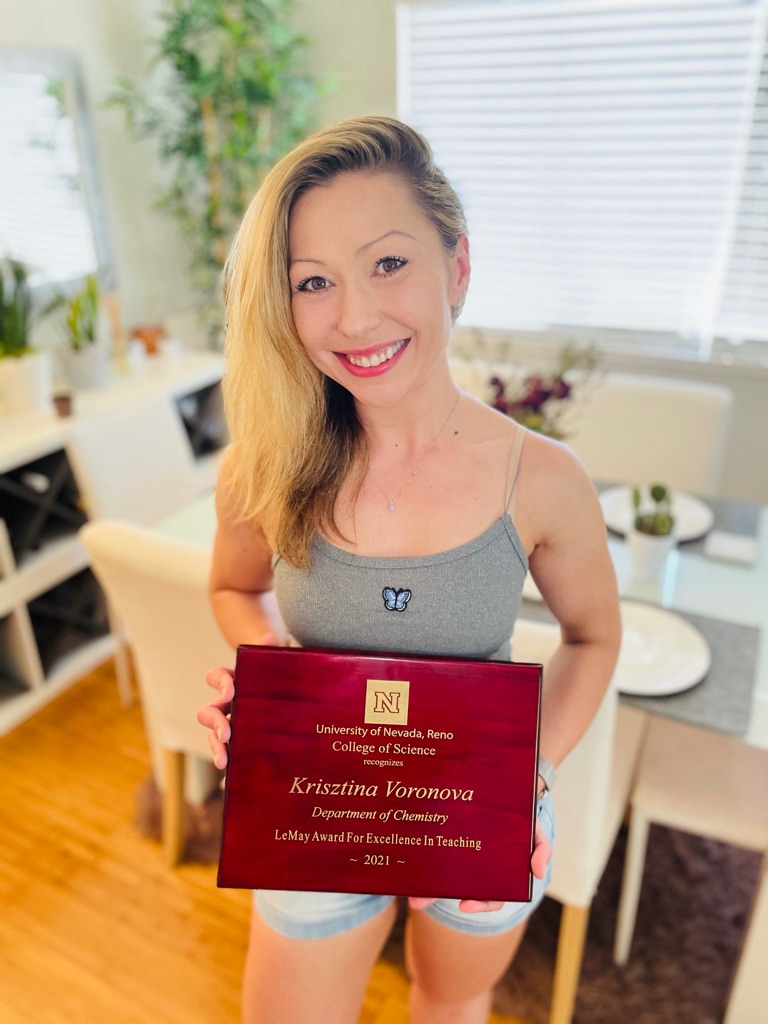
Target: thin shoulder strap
514, 469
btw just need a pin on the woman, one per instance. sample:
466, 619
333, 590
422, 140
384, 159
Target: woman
356, 465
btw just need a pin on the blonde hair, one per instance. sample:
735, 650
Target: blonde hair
295, 433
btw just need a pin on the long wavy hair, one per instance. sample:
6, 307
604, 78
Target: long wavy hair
295, 433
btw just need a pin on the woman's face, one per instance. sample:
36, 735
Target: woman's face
371, 284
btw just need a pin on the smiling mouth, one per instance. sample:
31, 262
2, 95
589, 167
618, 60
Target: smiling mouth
383, 355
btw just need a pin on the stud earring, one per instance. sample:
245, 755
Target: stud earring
456, 310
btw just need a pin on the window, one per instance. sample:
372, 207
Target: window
43, 214
612, 158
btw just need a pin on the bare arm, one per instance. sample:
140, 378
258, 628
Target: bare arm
244, 605
572, 567
241, 577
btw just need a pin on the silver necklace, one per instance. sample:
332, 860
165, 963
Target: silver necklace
427, 450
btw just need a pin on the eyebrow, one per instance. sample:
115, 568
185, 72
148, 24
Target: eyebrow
363, 248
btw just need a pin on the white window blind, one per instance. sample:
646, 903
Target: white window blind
743, 314
599, 149
44, 220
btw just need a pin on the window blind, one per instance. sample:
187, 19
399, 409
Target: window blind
599, 149
743, 313
44, 220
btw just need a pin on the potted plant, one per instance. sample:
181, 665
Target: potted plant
25, 374
651, 538
86, 357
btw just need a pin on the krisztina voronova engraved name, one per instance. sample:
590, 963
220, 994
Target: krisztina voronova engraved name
394, 788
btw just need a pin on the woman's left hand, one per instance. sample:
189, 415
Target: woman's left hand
542, 851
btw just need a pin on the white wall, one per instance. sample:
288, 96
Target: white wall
354, 39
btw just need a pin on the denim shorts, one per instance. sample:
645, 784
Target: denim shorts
316, 915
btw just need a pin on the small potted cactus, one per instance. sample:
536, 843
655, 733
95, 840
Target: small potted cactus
652, 536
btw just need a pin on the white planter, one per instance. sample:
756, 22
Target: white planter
26, 384
87, 367
649, 555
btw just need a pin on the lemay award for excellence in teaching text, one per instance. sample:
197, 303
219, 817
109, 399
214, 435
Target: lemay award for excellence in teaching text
375, 773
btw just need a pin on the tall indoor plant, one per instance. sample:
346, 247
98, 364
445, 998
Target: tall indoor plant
225, 98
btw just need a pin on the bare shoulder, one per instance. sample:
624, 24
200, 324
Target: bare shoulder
482, 423
555, 496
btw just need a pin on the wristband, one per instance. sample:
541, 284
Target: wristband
547, 773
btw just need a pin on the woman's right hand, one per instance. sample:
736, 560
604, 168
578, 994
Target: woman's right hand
215, 716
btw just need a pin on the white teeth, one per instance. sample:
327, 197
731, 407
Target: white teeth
378, 357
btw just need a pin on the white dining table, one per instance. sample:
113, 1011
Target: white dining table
694, 583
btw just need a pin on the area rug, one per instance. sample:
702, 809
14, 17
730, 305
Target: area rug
693, 907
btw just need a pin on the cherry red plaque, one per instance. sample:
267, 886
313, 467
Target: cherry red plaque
375, 773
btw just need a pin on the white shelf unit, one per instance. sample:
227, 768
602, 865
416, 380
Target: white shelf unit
30, 676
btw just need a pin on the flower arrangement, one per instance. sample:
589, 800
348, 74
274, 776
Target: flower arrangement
538, 403
657, 521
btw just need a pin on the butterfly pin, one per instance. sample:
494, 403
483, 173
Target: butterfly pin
395, 600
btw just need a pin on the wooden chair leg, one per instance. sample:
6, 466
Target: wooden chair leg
570, 953
173, 806
748, 997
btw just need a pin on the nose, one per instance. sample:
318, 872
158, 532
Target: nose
358, 310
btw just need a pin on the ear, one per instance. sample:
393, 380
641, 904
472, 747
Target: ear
461, 269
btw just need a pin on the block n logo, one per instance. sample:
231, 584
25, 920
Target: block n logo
386, 701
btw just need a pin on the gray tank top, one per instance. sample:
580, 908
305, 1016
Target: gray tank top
462, 602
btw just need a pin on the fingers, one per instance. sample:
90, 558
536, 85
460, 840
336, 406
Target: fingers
214, 716
223, 680
479, 906
467, 906
542, 851
420, 902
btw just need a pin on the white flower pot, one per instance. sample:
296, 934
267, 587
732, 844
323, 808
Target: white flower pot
87, 367
26, 384
649, 555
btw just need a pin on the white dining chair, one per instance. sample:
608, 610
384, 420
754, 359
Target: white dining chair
590, 798
634, 429
133, 463
698, 781
159, 587
631, 428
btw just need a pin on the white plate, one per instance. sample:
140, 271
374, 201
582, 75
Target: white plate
661, 652
693, 518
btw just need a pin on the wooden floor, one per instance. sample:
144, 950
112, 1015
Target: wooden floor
93, 927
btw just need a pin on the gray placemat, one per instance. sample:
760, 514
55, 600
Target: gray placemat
739, 517
723, 699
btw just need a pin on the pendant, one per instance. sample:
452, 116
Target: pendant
391, 506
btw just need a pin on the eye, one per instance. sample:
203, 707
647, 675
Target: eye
313, 285
390, 264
